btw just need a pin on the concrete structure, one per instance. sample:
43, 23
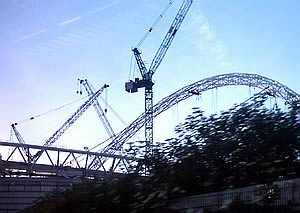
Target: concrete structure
19, 193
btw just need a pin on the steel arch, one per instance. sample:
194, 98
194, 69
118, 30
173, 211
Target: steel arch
232, 79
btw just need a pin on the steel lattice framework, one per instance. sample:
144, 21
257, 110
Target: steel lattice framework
58, 162
232, 79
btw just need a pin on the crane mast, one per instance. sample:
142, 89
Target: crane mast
146, 81
98, 108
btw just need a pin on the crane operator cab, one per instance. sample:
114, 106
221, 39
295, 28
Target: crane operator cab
132, 86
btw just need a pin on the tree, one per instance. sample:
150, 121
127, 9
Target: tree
245, 145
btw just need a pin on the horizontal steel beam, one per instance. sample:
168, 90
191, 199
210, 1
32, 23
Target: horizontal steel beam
83, 152
21, 168
56, 162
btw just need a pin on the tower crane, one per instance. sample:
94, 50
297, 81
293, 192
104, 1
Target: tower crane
89, 89
146, 80
71, 120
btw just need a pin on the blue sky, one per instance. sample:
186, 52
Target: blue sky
46, 45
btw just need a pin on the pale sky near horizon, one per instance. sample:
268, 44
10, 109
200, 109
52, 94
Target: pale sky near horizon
46, 46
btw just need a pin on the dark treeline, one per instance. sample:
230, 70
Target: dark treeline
245, 145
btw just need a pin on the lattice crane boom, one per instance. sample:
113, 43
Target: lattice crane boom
160, 54
21, 140
74, 117
98, 109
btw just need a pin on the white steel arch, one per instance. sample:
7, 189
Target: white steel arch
232, 79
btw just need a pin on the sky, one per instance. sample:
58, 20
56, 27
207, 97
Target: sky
46, 46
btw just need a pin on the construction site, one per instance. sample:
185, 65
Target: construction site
95, 129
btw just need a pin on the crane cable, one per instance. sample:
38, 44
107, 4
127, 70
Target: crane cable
155, 23
147, 34
52, 110
130, 68
111, 108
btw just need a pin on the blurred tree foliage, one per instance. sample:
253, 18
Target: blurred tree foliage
245, 145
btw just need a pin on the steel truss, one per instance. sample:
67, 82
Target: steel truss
232, 79
59, 162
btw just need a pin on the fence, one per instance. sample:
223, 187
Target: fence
288, 194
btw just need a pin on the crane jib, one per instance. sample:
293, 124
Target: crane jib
146, 81
162, 50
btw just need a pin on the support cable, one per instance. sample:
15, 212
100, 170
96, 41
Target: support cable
155, 23
130, 68
47, 112
111, 108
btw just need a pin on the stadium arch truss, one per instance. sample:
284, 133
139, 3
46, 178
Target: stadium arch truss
232, 79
